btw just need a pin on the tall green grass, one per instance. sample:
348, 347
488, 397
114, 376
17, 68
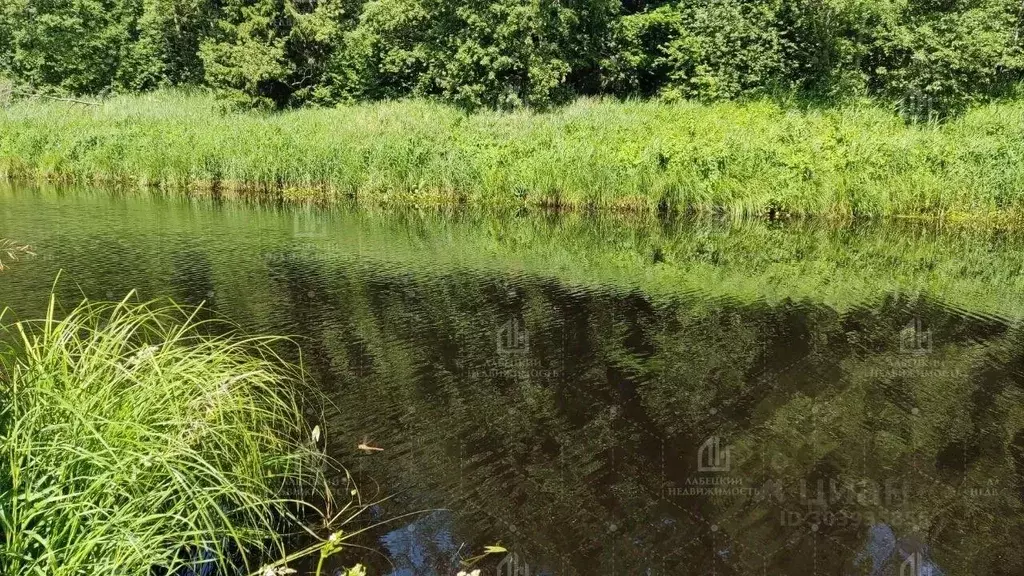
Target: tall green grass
130, 442
739, 158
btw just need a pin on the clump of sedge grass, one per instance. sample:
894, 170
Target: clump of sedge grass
130, 443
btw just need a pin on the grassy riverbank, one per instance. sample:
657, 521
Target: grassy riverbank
130, 443
741, 158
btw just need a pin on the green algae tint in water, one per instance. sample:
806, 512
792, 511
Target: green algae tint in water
606, 396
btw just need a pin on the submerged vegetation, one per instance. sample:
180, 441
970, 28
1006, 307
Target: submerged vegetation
131, 443
12, 251
751, 158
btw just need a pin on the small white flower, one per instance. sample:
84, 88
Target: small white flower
142, 355
473, 573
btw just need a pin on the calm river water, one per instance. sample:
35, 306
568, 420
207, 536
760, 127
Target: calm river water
611, 396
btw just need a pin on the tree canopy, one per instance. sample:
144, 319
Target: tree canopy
930, 56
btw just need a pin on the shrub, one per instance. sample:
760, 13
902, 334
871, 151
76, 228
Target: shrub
499, 54
931, 57
166, 52
76, 47
276, 53
937, 61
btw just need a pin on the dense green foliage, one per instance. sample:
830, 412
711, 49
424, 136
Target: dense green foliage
930, 56
131, 443
753, 158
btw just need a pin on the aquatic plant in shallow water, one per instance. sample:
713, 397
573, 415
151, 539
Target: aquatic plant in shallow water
131, 442
11, 250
